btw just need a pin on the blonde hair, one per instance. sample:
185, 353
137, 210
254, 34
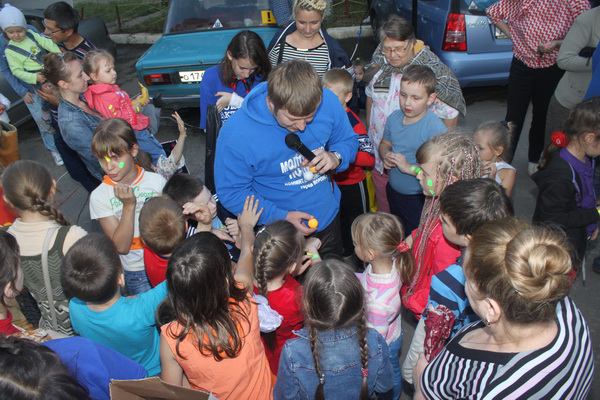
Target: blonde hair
500, 133
382, 233
319, 6
338, 79
523, 267
91, 61
295, 86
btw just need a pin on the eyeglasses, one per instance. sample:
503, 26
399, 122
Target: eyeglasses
49, 31
400, 51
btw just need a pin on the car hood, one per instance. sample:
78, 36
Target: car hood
193, 49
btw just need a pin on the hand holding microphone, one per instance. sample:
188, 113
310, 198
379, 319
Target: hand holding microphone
323, 161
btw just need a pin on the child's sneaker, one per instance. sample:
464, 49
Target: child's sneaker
57, 158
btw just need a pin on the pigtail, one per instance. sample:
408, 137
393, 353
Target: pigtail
41, 206
314, 338
361, 329
405, 262
261, 263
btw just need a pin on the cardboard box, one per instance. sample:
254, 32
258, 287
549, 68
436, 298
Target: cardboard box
153, 389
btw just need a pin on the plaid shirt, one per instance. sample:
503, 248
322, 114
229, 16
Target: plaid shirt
532, 22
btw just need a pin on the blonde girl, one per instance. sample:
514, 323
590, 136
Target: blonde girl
493, 142
278, 252
443, 160
379, 241
44, 237
335, 355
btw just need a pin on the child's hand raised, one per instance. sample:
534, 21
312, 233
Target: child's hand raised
199, 212
180, 124
250, 214
125, 194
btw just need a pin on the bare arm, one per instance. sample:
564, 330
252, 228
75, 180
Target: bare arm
507, 177
244, 272
178, 149
171, 370
503, 26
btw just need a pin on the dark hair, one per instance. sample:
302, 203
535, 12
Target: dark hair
295, 86
27, 185
473, 202
55, 66
183, 188
205, 299
144, 160
397, 28
246, 44
113, 136
524, 268
277, 246
65, 16
162, 225
422, 75
334, 299
31, 371
584, 118
91, 268
9, 254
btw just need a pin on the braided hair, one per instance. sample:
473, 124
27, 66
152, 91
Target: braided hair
334, 299
27, 186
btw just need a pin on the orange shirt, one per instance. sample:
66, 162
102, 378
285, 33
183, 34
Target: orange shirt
246, 376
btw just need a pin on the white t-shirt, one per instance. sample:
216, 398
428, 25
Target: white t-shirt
103, 203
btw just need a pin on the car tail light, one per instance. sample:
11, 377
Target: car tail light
455, 35
157, 79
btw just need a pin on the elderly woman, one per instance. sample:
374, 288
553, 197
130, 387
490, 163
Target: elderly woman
305, 39
399, 49
532, 342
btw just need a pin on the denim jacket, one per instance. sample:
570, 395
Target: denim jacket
77, 128
339, 353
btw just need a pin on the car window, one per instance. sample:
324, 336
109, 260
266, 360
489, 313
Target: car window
475, 6
194, 15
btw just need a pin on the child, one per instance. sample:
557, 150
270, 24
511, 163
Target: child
212, 336
11, 280
4, 106
162, 228
565, 180
464, 207
166, 167
352, 182
359, 96
93, 274
117, 202
278, 252
443, 160
44, 236
405, 130
493, 142
379, 241
112, 102
24, 56
335, 355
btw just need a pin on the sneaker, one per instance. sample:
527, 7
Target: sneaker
57, 158
532, 167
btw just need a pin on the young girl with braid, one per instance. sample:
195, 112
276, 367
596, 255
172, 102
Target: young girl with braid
278, 252
443, 160
29, 187
335, 355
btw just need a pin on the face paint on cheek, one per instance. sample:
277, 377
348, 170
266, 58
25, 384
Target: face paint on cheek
100, 164
107, 159
429, 182
121, 164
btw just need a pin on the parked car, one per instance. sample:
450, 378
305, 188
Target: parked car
460, 33
195, 38
92, 29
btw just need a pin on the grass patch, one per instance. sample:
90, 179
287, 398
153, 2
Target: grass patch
357, 11
128, 10
152, 25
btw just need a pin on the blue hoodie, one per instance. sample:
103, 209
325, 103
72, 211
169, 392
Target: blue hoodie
252, 158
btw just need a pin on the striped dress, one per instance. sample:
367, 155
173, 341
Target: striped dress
561, 370
318, 56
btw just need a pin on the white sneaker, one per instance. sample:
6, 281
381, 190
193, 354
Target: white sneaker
532, 168
57, 158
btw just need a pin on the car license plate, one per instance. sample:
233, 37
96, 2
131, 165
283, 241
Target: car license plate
191, 76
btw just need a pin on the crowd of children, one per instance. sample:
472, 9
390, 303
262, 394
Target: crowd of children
174, 286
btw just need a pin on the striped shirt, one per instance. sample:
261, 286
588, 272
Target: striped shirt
561, 370
318, 56
80, 50
383, 302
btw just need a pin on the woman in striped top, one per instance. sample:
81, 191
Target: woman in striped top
305, 39
532, 341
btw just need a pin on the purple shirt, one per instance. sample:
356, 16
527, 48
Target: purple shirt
585, 170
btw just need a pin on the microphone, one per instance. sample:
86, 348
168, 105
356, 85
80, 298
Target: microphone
293, 142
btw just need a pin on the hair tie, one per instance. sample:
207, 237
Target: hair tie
403, 247
505, 123
559, 139
322, 379
365, 372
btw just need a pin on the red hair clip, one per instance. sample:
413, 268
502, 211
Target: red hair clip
403, 247
559, 139
365, 372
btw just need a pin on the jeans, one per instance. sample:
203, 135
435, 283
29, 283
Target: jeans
395, 348
137, 282
150, 145
35, 110
407, 207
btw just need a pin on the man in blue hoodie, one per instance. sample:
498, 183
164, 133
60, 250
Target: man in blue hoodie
252, 157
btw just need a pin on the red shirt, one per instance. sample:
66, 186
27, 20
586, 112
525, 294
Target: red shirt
355, 172
6, 326
532, 22
7, 216
156, 266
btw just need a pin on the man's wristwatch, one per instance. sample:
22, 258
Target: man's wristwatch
338, 156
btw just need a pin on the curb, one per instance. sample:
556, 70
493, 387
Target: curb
150, 38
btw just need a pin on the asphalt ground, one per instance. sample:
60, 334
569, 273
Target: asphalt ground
483, 104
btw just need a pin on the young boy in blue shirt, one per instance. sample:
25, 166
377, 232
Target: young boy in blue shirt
93, 274
405, 130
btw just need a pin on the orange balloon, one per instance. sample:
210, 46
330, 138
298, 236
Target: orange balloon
313, 223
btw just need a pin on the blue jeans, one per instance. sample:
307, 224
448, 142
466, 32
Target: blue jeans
395, 348
35, 110
137, 282
149, 144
